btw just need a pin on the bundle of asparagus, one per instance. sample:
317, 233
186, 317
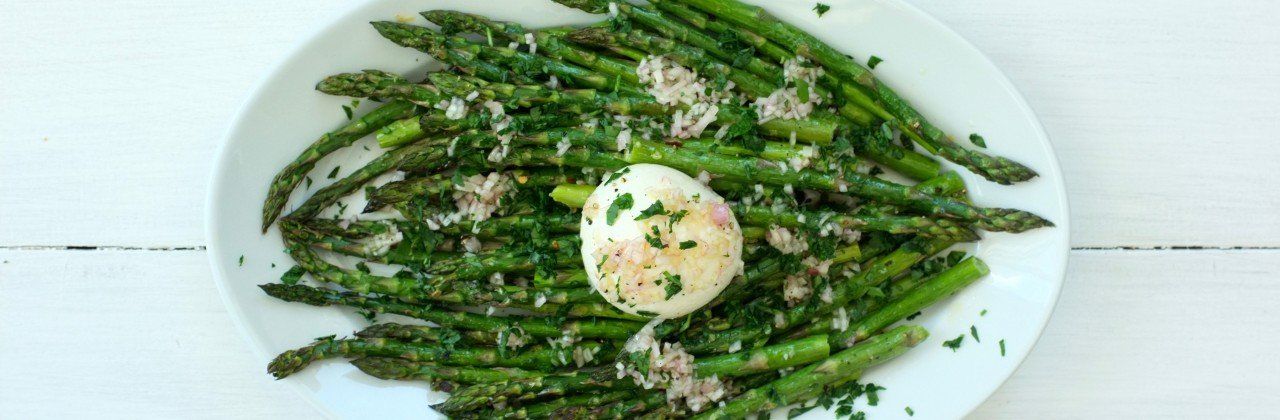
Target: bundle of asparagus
492, 155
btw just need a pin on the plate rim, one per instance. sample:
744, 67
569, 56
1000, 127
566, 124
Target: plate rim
222, 154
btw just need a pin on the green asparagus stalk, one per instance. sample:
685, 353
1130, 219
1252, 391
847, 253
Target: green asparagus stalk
615, 329
425, 155
432, 42
533, 358
545, 409
575, 196
944, 284
877, 271
837, 368
816, 131
749, 170
288, 178
683, 54
996, 169
409, 189
484, 395
422, 334
395, 368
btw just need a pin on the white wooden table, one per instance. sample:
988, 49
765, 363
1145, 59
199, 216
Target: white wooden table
1163, 113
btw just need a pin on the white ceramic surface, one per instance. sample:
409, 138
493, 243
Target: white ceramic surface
944, 76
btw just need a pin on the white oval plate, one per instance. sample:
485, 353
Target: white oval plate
952, 83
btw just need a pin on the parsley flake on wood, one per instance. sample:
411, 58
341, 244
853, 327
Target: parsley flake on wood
688, 244
973, 330
654, 209
977, 140
673, 286
954, 344
821, 8
623, 202
873, 62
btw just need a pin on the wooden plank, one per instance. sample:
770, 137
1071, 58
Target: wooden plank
1155, 334
112, 112
126, 334
1155, 109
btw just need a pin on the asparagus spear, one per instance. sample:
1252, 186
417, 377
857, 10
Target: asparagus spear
524, 389
435, 43
422, 334
940, 286
533, 358
750, 170
685, 55
293, 173
876, 272
836, 368
534, 326
996, 169
816, 131
545, 409
395, 368
424, 155
573, 195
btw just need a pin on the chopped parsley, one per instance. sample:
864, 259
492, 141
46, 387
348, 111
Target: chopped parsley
292, 276
873, 62
242, 260
348, 109
334, 173
308, 179
973, 330
655, 240
913, 316
673, 286
821, 8
910, 412
983, 313
676, 218
873, 399
954, 344
688, 244
978, 140
654, 209
623, 202
615, 175
1001, 347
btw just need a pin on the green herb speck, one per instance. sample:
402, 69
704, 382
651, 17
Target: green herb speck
983, 313
973, 330
334, 173
688, 244
654, 209
623, 202
910, 412
978, 140
673, 284
954, 344
242, 260
1001, 347
821, 8
873, 62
